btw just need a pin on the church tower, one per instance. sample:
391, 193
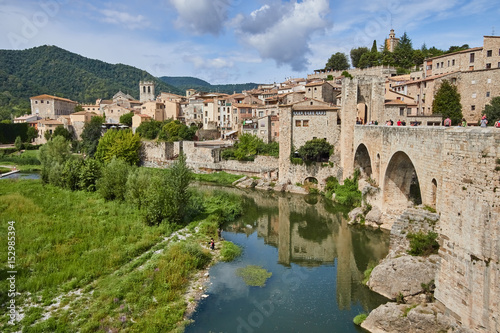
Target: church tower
147, 91
392, 42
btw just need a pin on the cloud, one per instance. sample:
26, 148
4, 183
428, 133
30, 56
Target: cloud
201, 16
124, 19
281, 31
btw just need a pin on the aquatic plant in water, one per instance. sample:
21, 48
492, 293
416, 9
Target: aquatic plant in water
255, 276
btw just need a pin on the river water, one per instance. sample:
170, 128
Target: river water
316, 260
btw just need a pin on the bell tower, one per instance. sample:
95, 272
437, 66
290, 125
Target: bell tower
147, 91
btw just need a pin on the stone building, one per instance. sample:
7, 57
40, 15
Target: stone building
46, 125
155, 110
392, 41
138, 119
321, 91
147, 91
47, 106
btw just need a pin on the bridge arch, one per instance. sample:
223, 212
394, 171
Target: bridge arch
362, 161
401, 182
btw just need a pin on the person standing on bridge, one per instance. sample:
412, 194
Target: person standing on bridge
464, 122
484, 121
447, 122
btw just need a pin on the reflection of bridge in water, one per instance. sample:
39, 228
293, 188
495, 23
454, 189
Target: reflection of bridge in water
307, 231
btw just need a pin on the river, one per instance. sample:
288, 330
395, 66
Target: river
316, 260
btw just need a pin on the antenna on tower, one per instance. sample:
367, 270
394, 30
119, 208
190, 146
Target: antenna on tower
391, 22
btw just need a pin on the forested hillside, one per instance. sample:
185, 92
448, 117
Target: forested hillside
54, 71
188, 82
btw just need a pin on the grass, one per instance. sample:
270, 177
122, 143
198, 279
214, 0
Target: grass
67, 241
359, 319
4, 170
255, 276
408, 309
368, 271
220, 178
229, 251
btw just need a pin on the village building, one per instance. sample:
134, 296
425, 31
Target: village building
46, 125
51, 107
138, 119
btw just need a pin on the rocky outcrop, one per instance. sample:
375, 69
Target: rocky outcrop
396, 318
403, 275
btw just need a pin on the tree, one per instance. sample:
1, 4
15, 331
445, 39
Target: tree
356, 55
447, 102
403, 52
315, 150
47, 135
374, 47
53, 155
126, 119
337, 62
61, 131
149, 130
91, 134
18, 143
122, 144
492, 110
90, 172
32, 134
168, 196
79, 108
113, 182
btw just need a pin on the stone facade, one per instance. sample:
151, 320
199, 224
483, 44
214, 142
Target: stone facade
147, 91
51, 107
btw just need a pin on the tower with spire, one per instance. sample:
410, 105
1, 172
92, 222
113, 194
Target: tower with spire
392, 41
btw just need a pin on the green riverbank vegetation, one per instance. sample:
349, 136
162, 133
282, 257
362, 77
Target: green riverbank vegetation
103, 245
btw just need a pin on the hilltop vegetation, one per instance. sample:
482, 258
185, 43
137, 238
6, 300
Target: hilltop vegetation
187, 82
52, 70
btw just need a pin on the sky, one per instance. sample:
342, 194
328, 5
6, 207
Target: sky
238, 41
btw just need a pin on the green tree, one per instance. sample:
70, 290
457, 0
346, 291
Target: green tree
337, 62
61, 131
79, 108
356, 55
168, 196
113, 182
122, 144
90, 172
92, 132
492, 110
18, 143
70, 177
149, 130
315, 150
126, 119
174, 130
32, 134
403, 52
374, 47
138, 183
53, 155
447, 102
47, 135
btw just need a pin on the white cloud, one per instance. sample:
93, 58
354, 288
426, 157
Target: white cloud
201, 16
281, 31
124, 19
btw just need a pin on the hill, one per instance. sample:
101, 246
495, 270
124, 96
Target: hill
55, 71
188, 82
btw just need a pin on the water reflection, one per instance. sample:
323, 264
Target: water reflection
317, 261
310, 232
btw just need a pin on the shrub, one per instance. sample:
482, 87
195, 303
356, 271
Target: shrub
229, 251
90, 172
423, 244
359, 319
368, 271
112, 184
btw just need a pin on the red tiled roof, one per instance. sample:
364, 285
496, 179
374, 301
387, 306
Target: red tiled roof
45, 96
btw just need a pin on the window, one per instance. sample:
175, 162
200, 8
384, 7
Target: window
453, 62
487, 94
36, 102
401, 111
471, 57
454, 80
489, 53
488, 66
297, 123
442, 64
206, 113
472, 107
448, 63
474, 95
437, 65
311, 103
305, 123
47, 102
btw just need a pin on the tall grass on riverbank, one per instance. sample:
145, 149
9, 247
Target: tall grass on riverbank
114, 272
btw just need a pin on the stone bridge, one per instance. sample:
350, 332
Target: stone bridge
457, 172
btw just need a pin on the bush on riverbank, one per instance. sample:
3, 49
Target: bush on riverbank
346, 194
423, 244
229, 251
359, 319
